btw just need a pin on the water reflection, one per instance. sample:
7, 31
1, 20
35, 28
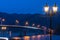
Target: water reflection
38, 37
35, 37
26, 37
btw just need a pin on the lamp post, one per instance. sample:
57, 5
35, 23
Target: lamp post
54, 9
26, 23
38, 26
44, 29
33, 25
2, 20
10, 33
17, 22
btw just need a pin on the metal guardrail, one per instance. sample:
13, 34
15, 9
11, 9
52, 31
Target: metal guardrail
21, 26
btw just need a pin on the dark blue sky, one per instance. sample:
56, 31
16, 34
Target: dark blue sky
25, 6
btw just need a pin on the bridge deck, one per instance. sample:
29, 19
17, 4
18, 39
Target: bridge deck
17, 30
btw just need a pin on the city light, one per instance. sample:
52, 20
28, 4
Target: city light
33, 25
3, 19
16, 38
17, 21
26, 23
38, 26
26, 37
38, 36
3, 28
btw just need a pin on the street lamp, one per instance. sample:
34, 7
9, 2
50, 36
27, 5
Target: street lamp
3, 28
46, 8
10, 33
44, 29
54, 9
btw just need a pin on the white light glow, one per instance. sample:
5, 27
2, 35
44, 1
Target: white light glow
46, 9
16, 38
3, 28
55, 9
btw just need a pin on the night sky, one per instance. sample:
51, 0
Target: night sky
25, 6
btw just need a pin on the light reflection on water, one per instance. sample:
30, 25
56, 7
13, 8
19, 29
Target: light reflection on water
36, 37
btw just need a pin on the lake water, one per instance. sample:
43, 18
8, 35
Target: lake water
38, 37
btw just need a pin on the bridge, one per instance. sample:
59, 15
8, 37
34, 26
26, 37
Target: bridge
21, 26
11, 31
21, 30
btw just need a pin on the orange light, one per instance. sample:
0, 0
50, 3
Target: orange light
26, 37
3, 28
